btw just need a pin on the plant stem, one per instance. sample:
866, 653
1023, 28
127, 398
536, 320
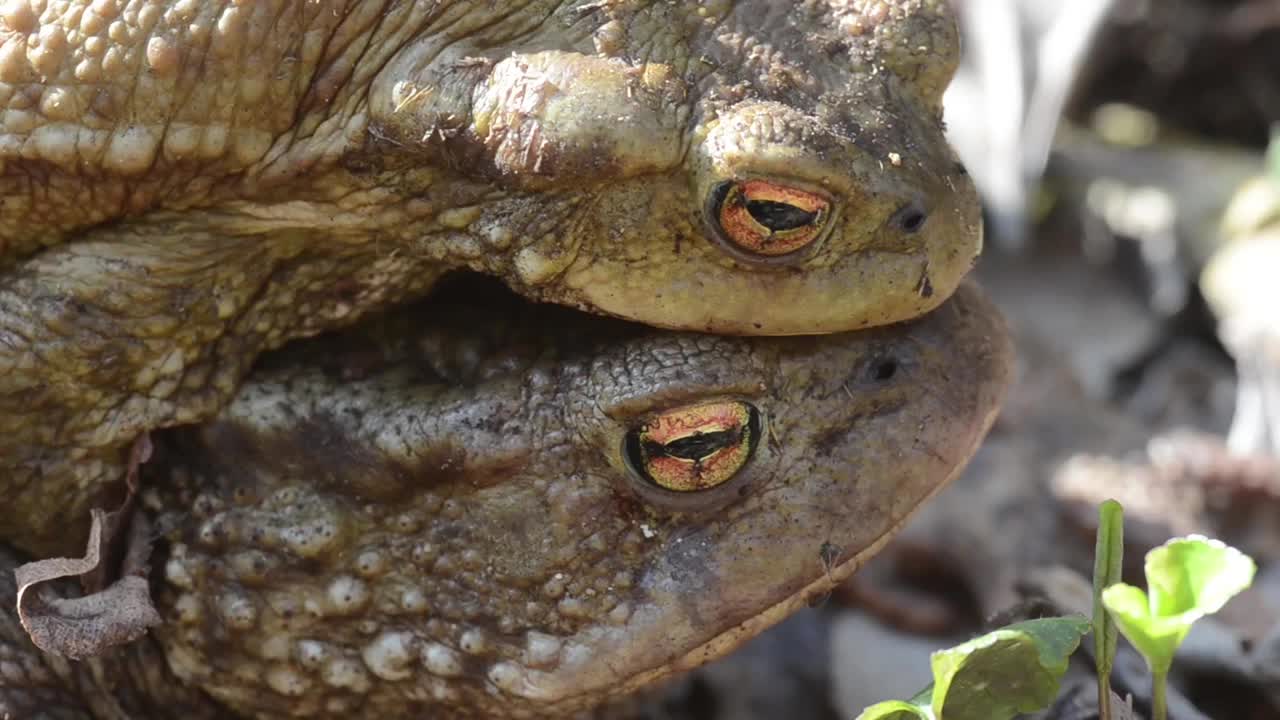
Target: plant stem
1108, 554
1158, 682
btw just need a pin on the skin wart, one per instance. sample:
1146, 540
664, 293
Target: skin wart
184, 185
458, 512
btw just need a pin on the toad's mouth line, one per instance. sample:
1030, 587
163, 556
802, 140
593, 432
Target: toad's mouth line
730, 639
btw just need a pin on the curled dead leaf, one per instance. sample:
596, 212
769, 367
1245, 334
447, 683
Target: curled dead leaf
109, 614
85, 626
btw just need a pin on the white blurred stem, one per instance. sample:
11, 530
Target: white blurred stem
995, 29
1061, 54
1255, 427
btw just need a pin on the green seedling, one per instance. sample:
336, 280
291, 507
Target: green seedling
1188, 578
1107, 560
916, 708
1012, 670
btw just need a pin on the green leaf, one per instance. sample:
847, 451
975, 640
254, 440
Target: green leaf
1188, 578
896, 710
1196, 574
1005, 672
1155, 637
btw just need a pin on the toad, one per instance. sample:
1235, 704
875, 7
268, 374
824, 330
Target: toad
502, 511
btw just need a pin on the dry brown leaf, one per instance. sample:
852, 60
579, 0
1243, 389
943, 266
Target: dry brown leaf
1122, 708
85, 626
114, 560
109, 614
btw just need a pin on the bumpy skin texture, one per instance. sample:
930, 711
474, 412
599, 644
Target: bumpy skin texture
432, 515
461, 534
185, 184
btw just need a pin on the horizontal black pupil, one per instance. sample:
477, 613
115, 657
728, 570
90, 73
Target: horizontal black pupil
779, 216
697, 446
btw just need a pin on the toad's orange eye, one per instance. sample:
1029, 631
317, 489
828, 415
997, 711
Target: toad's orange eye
696, 447
767, 219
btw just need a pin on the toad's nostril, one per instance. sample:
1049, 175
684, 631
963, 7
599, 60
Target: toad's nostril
884, 370
911, 218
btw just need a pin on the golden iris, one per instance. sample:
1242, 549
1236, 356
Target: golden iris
768, 219
695, 447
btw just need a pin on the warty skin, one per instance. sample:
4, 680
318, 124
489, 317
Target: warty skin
441, 515
184, 185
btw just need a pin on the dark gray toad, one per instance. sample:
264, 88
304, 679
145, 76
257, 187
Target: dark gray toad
528, 513
186, 184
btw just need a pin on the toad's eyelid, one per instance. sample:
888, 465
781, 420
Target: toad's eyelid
629, 409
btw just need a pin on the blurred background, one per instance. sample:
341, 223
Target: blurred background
1133, 241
